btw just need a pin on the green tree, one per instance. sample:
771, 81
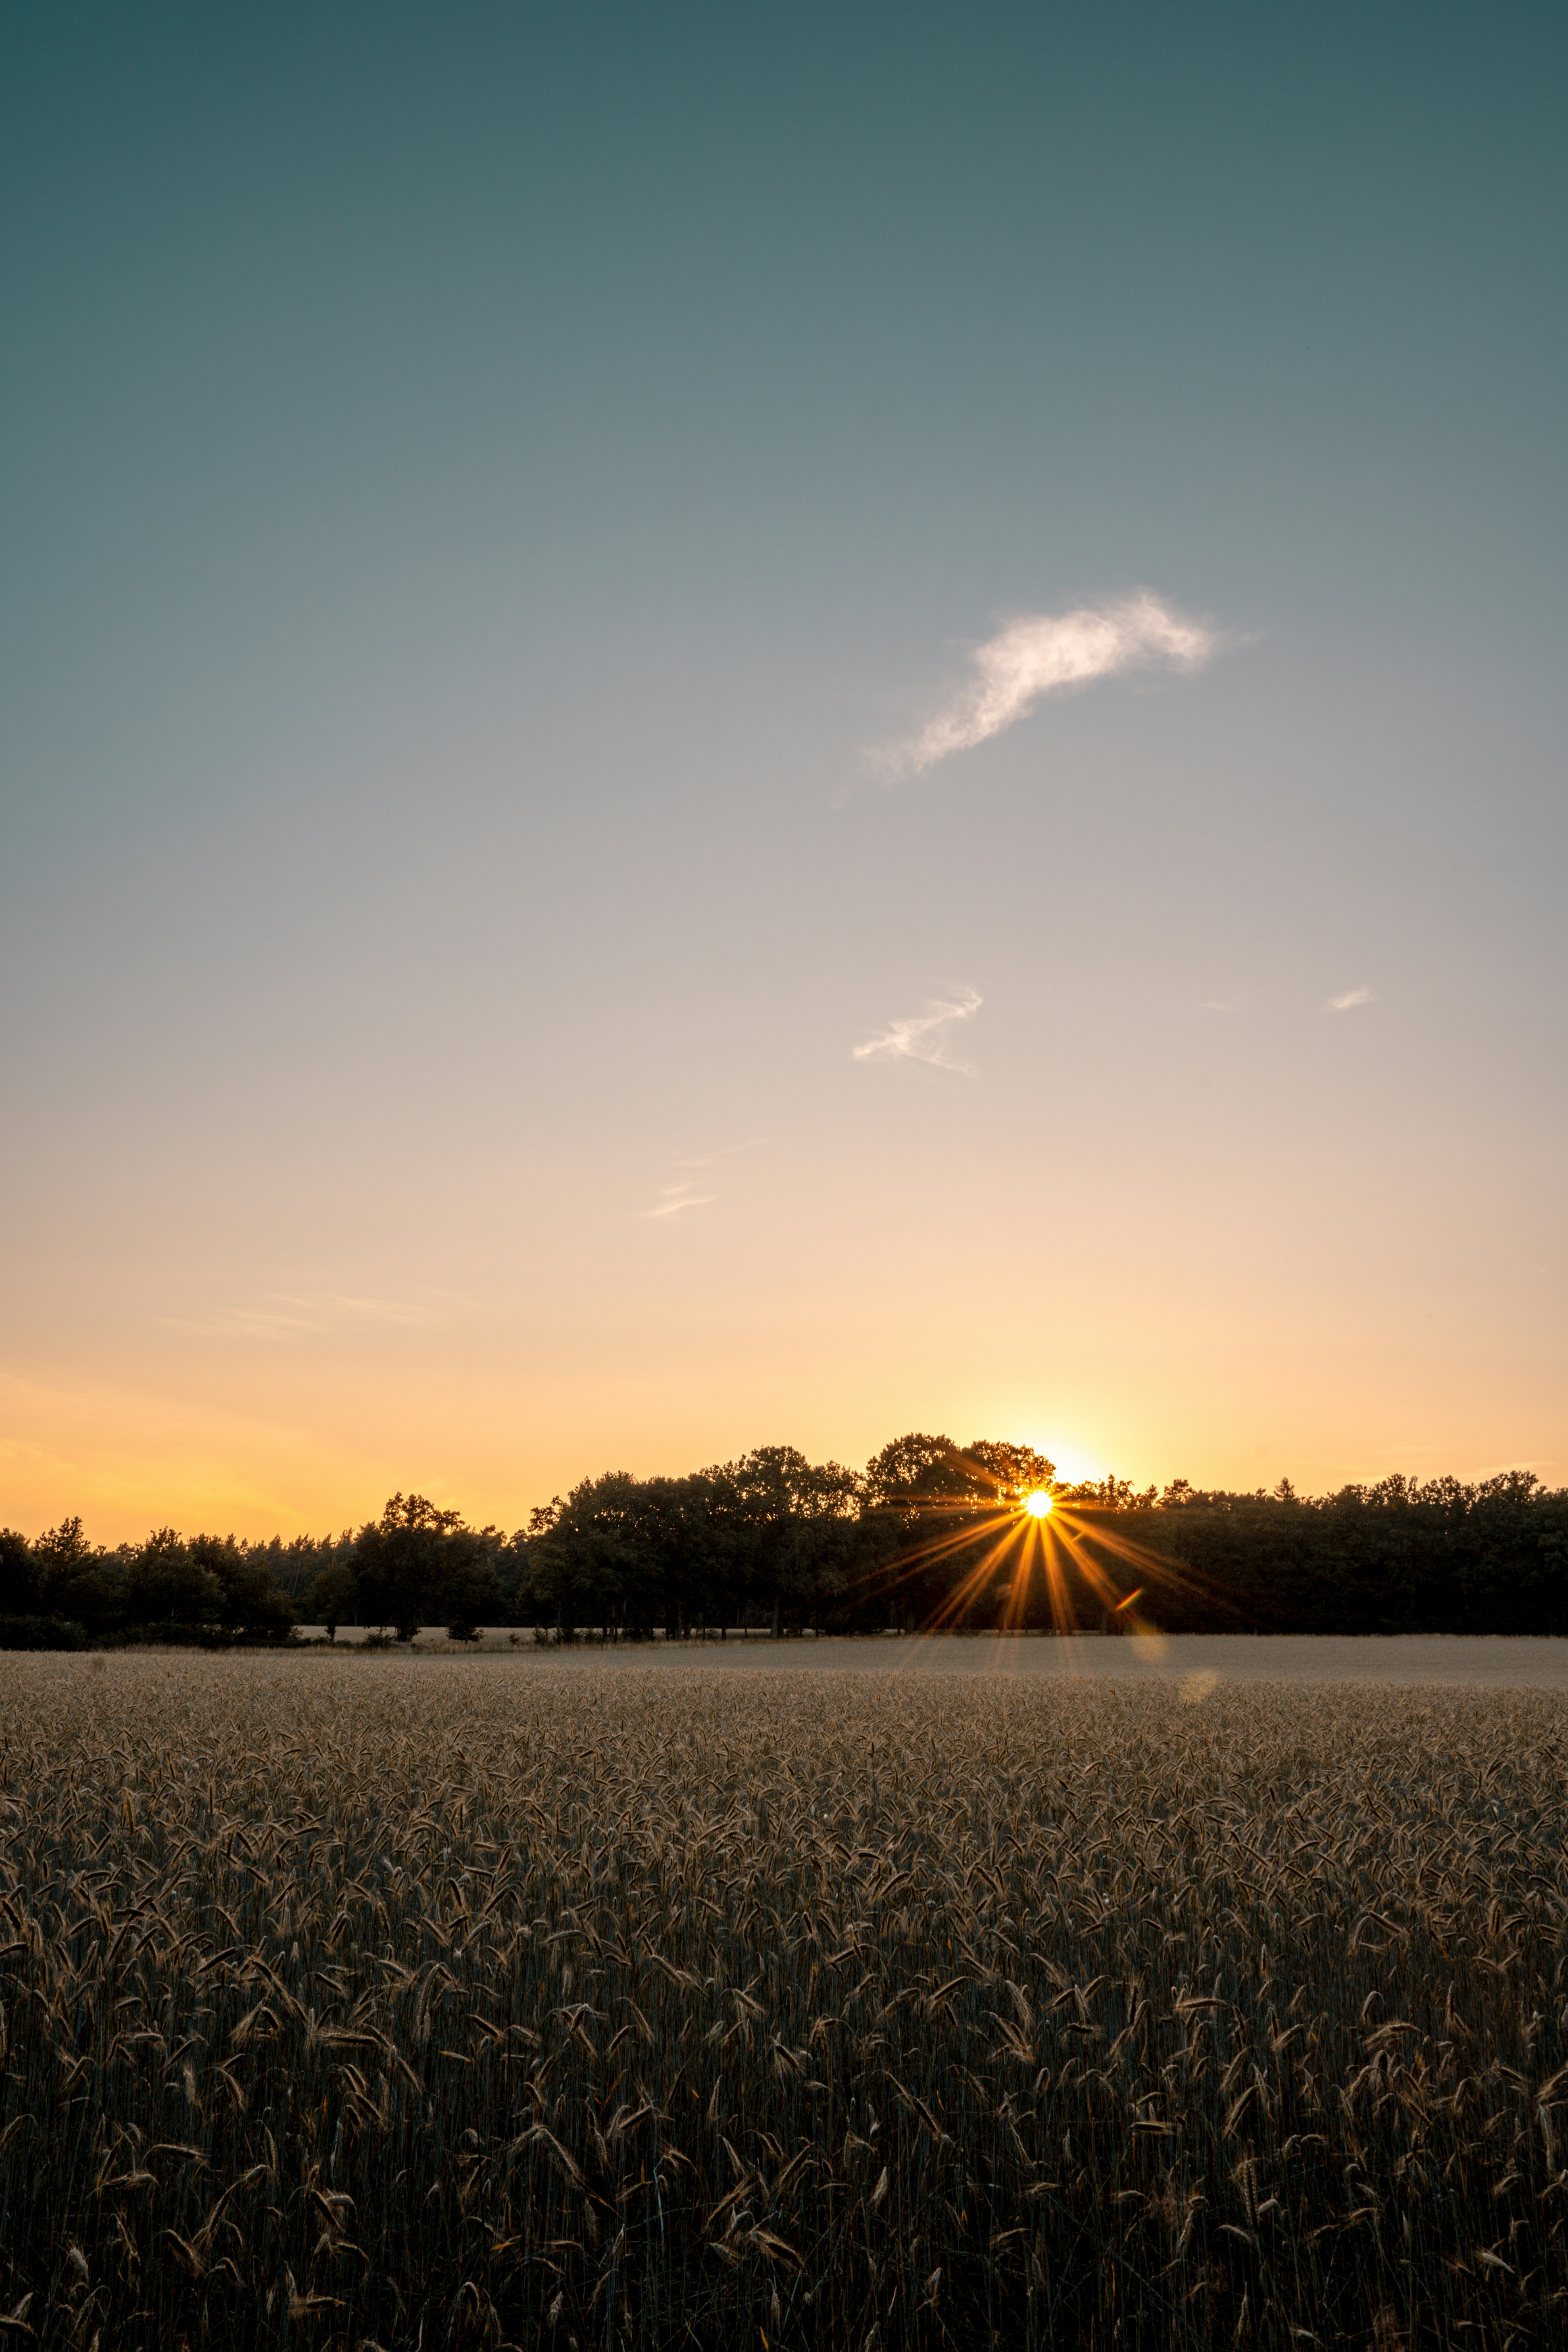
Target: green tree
788, 1527
926, 1498
673, 1571
941, 1510
74, 1576
418, 1564
20, 1579
253, 1604
333, 1598
470, 1593
1011, 1473
581, 1555
918, 1477
164, 1586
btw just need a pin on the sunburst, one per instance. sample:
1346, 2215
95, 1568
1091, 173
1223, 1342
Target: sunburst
1022, 1541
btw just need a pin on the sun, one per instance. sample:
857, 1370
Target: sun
1038, 1504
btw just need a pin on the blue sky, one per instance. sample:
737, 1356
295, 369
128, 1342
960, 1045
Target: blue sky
481, 487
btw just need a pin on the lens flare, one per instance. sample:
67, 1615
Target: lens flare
981, 1549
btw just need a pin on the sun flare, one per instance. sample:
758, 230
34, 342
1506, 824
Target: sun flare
1038, 1504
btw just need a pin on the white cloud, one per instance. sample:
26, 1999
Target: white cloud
1350, 1000
684, 1189
682, 1194
1046, 654
923, 1037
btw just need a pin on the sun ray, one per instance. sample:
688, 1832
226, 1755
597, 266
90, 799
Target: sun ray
1071, 1557
1017, 1602
974, 1583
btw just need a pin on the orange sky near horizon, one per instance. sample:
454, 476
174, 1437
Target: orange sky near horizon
261, 1409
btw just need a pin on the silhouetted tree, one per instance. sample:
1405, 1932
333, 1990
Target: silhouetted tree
1012, 1472
581, 1554
679, 1574
19, 1576
928, 1534
251, 1604
165, 1586
332, 1598
74, 1576
932, 1499
785, 1529
418, 1565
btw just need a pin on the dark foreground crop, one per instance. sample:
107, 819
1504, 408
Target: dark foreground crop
381, 2002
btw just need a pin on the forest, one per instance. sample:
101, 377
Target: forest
929, 1536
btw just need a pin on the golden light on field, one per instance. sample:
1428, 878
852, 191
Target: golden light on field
1352, 1804
1038, 1504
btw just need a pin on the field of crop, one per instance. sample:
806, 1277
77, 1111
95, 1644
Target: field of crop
381, 2002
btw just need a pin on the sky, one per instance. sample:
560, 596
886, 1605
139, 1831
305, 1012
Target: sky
730, 725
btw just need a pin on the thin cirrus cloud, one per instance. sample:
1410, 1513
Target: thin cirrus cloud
1047, 653
1350, 1000
681, 1192
283, 1316
924, 1036
687, 1177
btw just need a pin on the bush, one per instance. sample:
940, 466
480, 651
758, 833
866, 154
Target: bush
41, 1634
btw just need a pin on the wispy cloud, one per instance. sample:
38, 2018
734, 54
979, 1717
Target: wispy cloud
282, 1315
923, 1036
682, 1193
1218, 1003
687, 1179
1044, 653
1350, 1000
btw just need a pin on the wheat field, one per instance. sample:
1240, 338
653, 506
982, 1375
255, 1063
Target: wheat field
386, 2001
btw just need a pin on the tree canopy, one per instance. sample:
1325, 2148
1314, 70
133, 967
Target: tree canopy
929, 1534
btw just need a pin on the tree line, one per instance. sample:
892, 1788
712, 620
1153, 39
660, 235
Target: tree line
929, 1534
